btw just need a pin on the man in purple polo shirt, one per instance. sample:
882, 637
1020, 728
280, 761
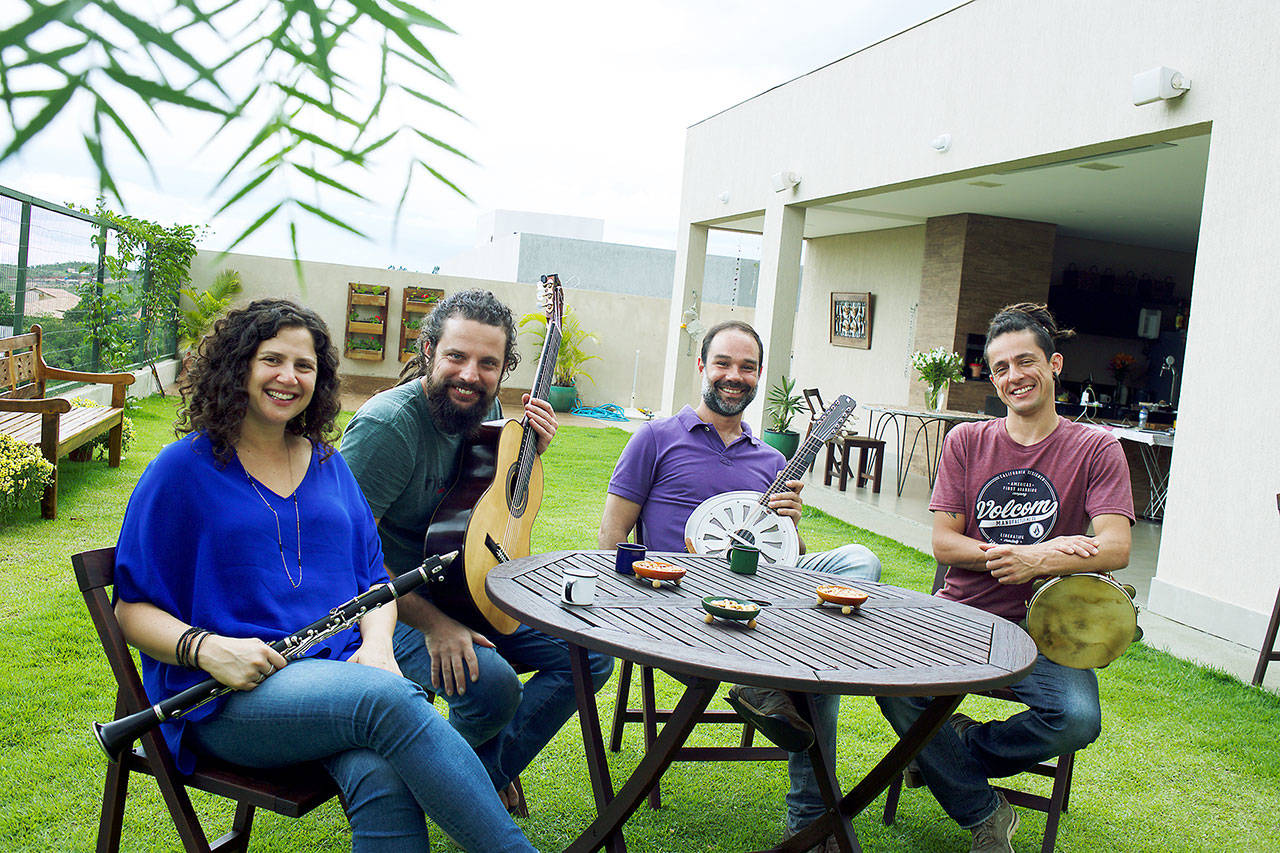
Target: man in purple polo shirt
672, 465
1013, 502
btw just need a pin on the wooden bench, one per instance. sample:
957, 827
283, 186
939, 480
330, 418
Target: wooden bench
52, 424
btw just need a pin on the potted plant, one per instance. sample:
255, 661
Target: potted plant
782, 404
564, 384
937, 368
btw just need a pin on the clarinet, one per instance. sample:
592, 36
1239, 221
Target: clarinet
114, 737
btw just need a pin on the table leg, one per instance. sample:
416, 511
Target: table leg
883, 421
612, 810
1157, 479
895, 761
824, 768
593, 745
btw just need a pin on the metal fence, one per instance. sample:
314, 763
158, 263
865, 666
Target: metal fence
53, 265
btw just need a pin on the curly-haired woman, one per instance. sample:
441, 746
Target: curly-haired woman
250, 527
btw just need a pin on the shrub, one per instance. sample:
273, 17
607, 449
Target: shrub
24, 475
99, 444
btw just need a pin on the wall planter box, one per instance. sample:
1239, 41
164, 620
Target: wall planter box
416, 301
365, 354
365, 328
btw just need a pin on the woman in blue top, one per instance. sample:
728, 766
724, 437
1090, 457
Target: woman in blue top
250, 527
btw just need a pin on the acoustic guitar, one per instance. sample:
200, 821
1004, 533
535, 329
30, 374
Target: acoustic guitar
488, 514
745, 517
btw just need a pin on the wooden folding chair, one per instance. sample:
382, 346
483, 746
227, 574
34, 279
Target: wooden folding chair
292, 791
1059, 770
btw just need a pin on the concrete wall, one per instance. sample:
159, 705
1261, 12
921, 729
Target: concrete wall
626, 324
1023, 83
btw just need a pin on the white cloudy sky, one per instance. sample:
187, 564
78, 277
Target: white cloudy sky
574, 107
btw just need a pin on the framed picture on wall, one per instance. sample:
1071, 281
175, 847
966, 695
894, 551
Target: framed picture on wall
851, 320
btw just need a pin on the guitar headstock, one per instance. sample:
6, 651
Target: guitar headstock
833, 418
551, 298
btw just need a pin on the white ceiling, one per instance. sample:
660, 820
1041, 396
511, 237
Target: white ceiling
1147, 196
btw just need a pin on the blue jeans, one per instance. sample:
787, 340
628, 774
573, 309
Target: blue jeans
392, 755
1063, 715
508, 723
804, 799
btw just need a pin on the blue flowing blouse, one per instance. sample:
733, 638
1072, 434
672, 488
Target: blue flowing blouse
200, 543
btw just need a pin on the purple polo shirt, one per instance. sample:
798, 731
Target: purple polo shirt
673, 464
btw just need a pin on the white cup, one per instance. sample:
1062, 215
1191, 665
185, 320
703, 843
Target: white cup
579, 586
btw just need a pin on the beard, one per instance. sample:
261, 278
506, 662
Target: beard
448, 415
716, 403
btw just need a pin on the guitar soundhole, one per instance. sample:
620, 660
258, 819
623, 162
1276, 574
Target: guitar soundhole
516, 502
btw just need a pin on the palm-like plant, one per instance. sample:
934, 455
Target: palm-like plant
572, 337
207, 306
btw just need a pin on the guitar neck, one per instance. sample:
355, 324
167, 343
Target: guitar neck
541, 387
799, 463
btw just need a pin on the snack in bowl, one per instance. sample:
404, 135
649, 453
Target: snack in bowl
849, 598
728, 607
657, 571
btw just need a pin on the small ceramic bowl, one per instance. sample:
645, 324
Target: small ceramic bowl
657, 571
849, 598
728, 607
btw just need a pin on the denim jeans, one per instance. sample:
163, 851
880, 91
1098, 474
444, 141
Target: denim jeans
804, 799
392, 755
1063, 715
508, 723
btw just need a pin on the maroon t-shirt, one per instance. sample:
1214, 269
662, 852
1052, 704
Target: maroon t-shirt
1011, 494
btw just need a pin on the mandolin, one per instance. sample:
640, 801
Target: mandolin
744, 516
488, 514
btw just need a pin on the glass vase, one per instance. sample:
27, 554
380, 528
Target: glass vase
935, 397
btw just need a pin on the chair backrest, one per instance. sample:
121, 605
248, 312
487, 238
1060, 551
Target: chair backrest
20, 375
95, 575
813, 399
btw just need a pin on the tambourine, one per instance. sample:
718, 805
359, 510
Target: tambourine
1084, 620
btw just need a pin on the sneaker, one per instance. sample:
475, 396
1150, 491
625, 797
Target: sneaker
774, 714
828, 845
911, 777
962, 723
995, 833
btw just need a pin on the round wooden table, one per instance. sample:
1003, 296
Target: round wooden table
899, 642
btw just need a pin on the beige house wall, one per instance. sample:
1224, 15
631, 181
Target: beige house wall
1024, 83
627, 326
886, 264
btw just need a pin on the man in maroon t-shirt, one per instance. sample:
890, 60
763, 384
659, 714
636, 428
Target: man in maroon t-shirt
1013, 502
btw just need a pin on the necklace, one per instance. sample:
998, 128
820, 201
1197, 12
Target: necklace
297, 519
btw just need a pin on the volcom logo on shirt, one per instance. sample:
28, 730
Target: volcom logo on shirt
1017, 507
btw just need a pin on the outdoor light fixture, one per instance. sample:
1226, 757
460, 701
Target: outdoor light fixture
784, 181
723, 198
1158, 84
942, 143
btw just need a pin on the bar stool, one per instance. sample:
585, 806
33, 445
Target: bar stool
870, 460
1268, 651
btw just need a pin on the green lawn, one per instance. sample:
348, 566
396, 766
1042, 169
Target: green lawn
1189, 759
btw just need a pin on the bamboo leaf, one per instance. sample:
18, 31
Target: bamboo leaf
150, 90
148, 35
249, 187
321, 178
423, 96
328, 217
41, 17
442, 144
257, 223
57, 100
